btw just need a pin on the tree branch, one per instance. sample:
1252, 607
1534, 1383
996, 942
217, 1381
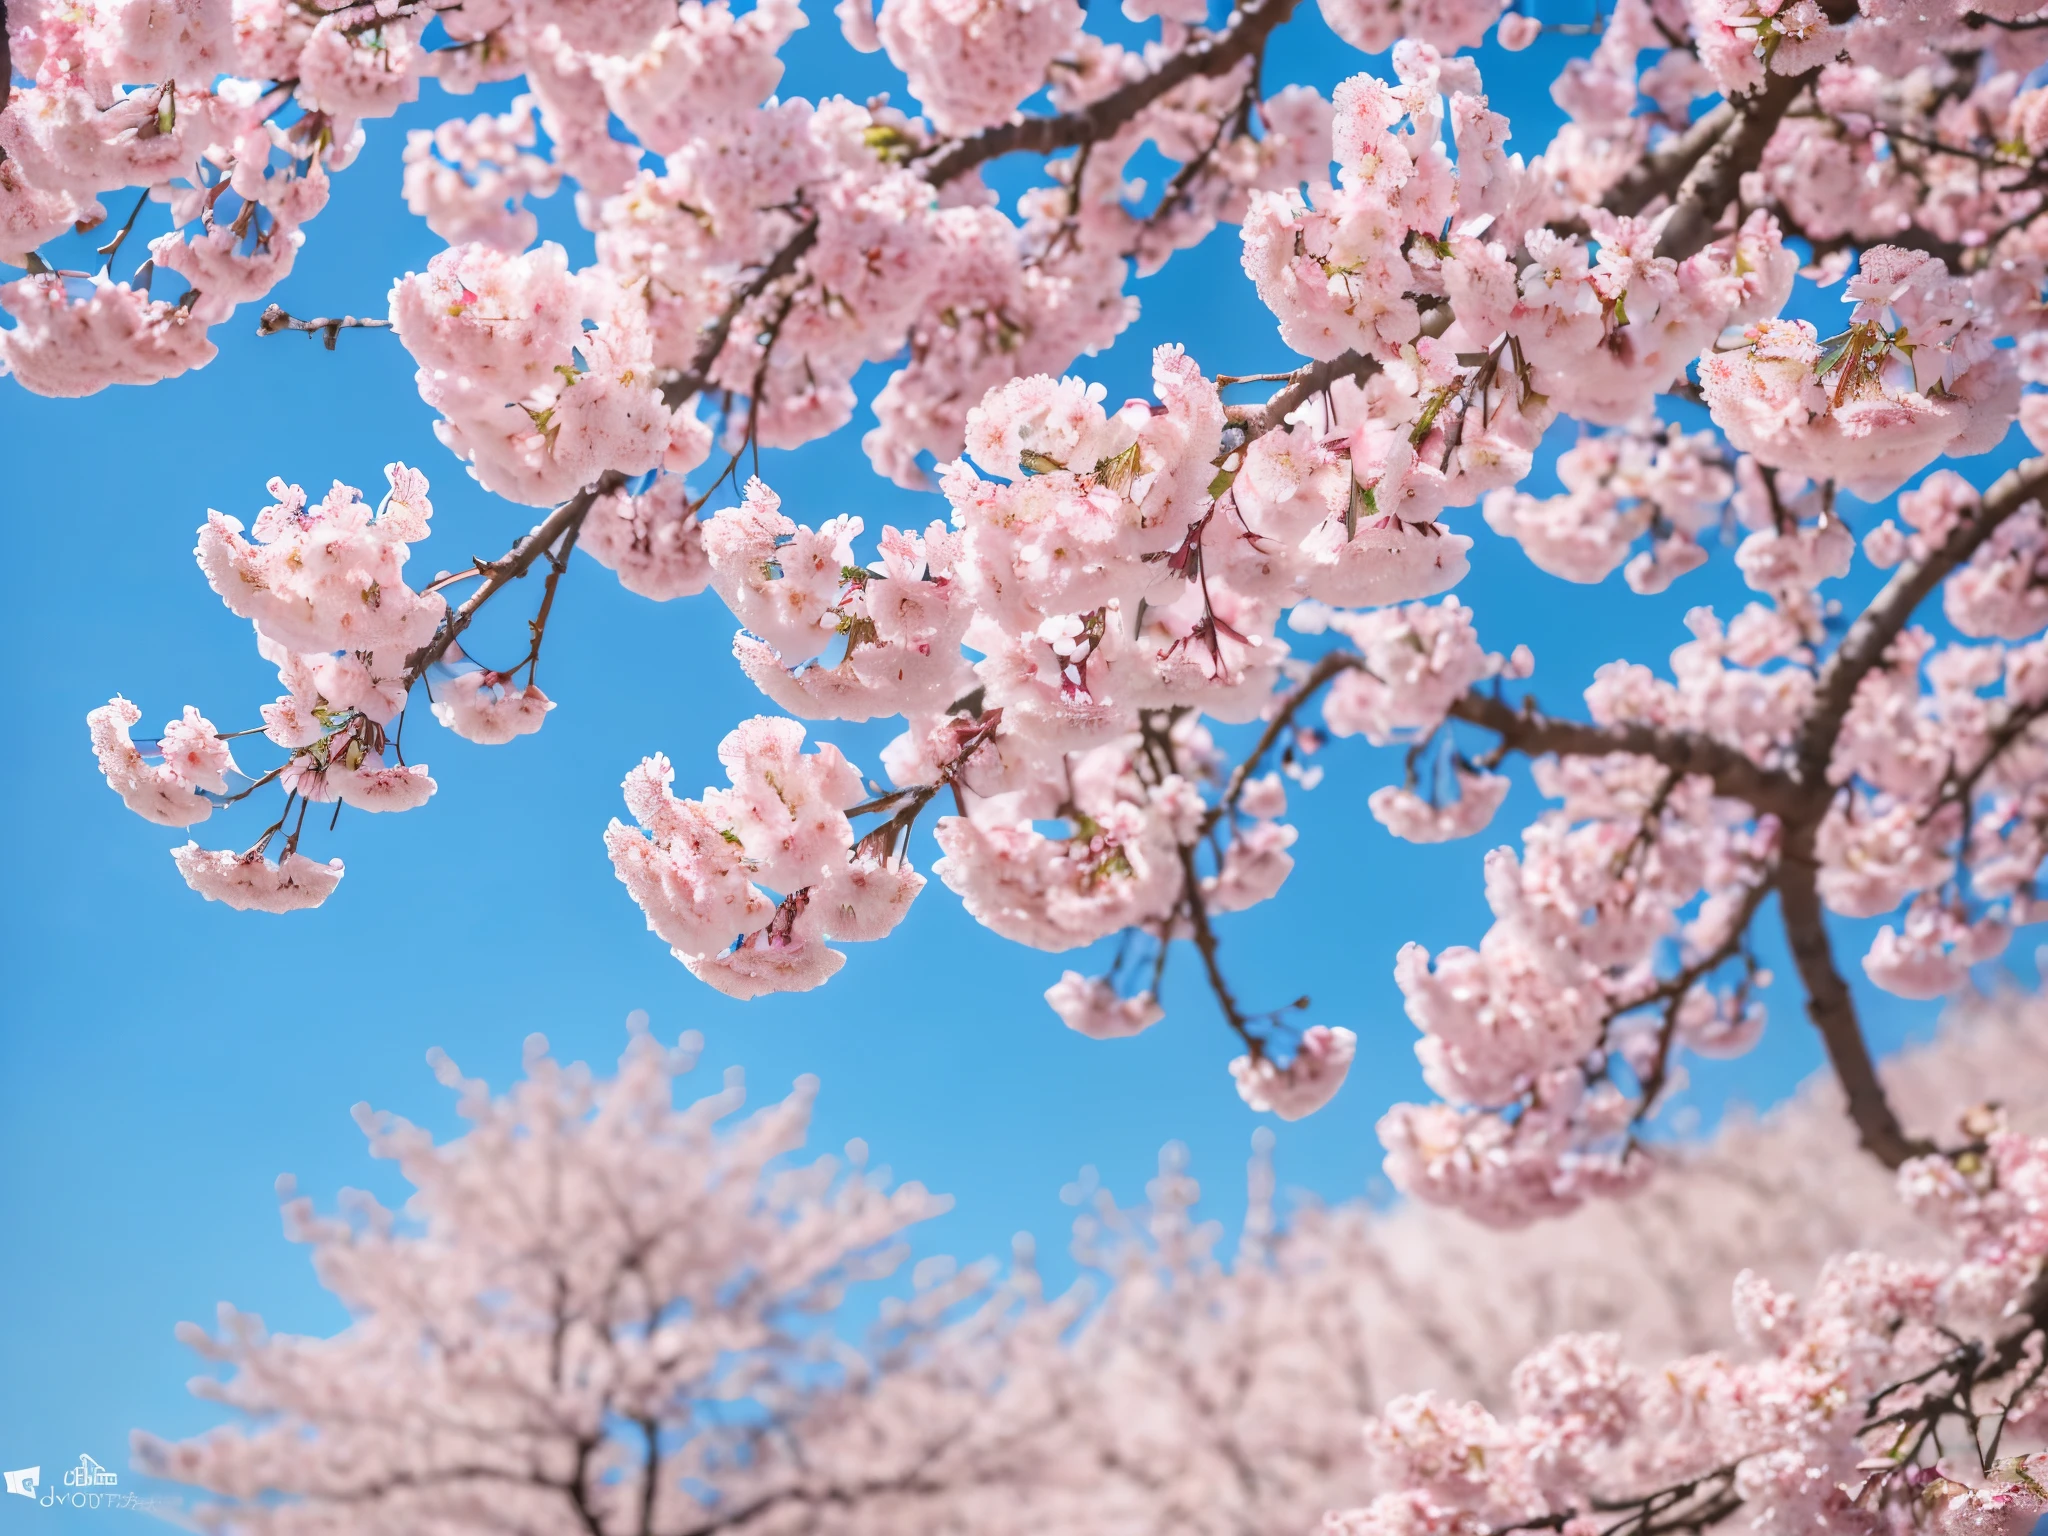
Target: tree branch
1710, 186
1303, 385
1216, 54
516, 562
693, 379
1832, 1009
1672, 991
1331, 663
275, 319
1204, 935
1664, 170
1529, 731
1864, 647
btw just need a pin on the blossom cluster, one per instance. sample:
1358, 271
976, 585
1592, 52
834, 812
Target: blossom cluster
323, 584
1823, 1426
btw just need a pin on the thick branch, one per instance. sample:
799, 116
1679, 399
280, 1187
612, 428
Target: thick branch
1214, 55
1864, 647
1832, 1009
1828, 1003
1533, 733
1664, 170
1710, 186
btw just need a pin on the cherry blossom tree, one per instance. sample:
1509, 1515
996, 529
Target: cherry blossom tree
1072, 649
599, 1312
596, 1309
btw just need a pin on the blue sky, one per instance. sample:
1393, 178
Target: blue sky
162, 1060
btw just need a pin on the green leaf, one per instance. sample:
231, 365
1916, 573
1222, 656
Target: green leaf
1832, 351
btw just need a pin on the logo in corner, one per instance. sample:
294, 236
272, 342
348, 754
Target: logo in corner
24, 1482
89, 1474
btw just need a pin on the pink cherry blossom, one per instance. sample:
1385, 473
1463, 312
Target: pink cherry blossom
1308, 1081
1136, 622
653, 540
1091, 1005
69, 347
1413, 819
327, 576
249, 882
483, 707
1517, 31
164, 792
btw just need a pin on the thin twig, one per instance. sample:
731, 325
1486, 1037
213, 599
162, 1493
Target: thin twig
516, 562
274, 319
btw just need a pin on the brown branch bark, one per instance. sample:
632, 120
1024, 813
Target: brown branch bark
1204, 936
1213, 55
275, 319
1330, 664
1302, 385
1832, 1009
1529, 731
517, 561
780, 265
1710, 186
1663, 171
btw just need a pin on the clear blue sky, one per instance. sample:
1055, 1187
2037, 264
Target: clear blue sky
162, 1060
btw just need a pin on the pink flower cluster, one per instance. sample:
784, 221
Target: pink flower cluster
1619, 486
1109, 592
324, 586
538, 405
692, 864
1817, 1427
1917, 375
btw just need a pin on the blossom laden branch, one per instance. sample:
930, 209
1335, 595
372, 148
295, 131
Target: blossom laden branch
1451, 304
783, 263
1874, 630
1531, 732
562, 524
1245, 34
